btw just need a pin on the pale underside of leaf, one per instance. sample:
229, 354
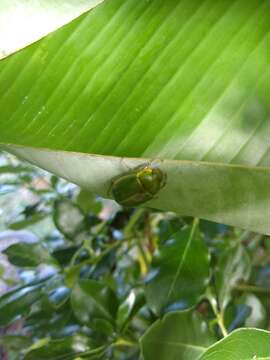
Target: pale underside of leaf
231, 194
23, 22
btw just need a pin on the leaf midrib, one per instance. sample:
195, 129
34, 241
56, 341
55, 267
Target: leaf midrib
181, 264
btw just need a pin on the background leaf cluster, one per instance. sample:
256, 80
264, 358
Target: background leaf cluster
96, 281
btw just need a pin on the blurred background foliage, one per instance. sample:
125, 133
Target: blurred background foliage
81, 277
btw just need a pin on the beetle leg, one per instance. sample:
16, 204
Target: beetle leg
155, 163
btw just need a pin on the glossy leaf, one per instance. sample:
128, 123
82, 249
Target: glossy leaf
179, 336
65, 254
93, 301
246, 344
174, 282
28, 255
164, 86
17, 303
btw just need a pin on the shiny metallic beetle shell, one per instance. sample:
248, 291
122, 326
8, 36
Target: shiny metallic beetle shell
137, 186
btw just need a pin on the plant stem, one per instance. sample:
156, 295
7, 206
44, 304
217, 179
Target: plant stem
145, 262
128, 232
124, 343
219, 313
220, 318
133, 220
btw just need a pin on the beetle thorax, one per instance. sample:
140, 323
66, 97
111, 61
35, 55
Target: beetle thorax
149, 180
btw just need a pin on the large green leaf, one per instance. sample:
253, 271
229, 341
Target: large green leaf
182, 284
174, 80
244, 344
179, 336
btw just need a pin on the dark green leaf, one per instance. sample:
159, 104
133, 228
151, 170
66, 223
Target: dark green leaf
181, 271
18, 303
28, 255
93, 300
65, 254
103, 326
68, 348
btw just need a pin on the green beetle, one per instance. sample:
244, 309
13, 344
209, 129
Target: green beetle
137, 186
